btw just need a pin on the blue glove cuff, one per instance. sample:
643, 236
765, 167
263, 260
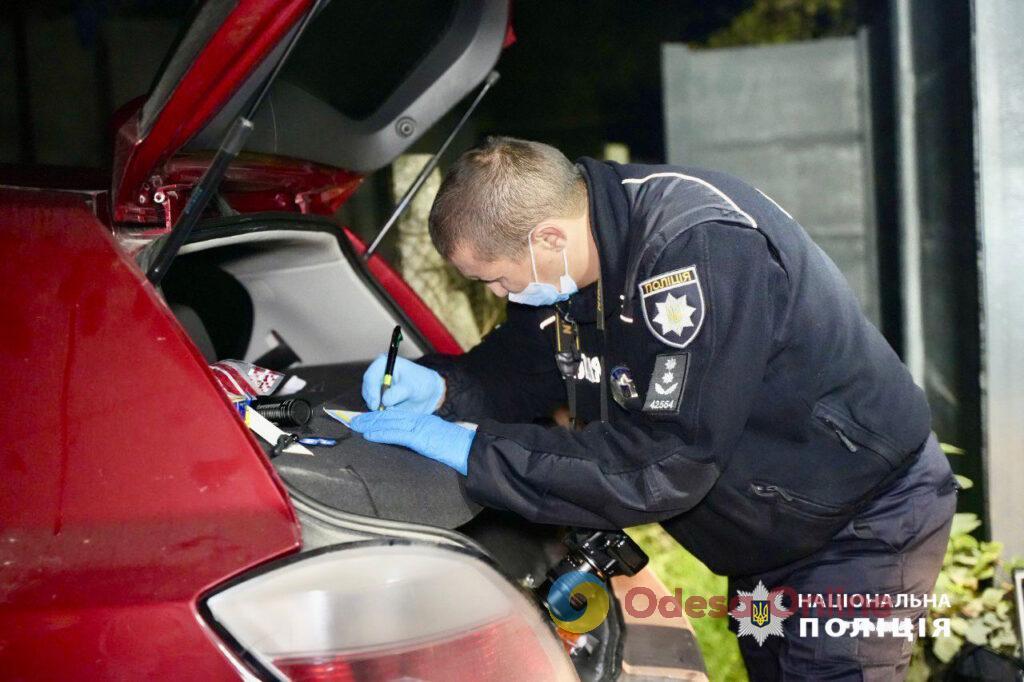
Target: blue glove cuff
461, 443
435, 396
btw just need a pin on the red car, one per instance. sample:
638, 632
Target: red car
144, 530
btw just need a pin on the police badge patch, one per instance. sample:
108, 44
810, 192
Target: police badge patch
673, 304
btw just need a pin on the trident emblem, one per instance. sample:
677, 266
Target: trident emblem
759, 612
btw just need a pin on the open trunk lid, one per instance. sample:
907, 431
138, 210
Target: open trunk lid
364, 82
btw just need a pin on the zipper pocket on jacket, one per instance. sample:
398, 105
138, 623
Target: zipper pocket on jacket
855, 437
766, 490
769, 490
843, 438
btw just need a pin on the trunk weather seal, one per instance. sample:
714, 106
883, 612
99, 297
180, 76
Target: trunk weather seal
365, 524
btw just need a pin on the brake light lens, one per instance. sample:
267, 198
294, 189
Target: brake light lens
382, 611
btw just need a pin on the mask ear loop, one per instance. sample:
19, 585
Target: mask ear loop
533, 261
533, 264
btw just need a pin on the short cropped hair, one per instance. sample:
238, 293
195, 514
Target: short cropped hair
495, 194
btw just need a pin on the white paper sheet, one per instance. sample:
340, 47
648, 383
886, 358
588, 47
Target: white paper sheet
345, 416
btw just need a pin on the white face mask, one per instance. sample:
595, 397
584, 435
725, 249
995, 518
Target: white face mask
539, 293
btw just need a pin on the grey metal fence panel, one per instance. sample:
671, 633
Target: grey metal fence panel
999, 79
793, 120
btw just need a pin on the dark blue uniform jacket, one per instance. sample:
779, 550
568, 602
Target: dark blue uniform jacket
756, 409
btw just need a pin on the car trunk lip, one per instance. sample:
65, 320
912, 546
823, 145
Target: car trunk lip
253, 183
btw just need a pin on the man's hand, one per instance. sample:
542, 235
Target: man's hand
414, 388
427, 434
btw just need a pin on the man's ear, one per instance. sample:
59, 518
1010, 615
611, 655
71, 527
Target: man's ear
549, 236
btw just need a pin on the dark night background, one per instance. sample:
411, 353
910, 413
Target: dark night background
580, 74
587, 72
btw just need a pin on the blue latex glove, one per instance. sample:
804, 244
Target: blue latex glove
414, 388
427, 434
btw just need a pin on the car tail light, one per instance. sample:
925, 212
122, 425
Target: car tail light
388, 611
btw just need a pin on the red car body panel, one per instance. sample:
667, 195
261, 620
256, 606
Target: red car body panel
131, 487
247, 35
130, 484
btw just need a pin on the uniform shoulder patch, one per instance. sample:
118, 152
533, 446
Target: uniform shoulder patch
665, 391
673, 305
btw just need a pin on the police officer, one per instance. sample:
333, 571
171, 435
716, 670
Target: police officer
721, 380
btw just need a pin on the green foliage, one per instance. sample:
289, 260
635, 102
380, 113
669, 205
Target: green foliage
976, 581
678, 568
784, 21
952, 449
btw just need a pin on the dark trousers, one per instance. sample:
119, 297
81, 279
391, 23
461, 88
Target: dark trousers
895, 546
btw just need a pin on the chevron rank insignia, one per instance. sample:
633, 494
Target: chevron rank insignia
667, 383
673, 304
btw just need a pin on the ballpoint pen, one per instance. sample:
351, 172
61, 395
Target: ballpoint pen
389, 368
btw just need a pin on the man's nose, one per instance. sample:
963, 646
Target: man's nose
497, 290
